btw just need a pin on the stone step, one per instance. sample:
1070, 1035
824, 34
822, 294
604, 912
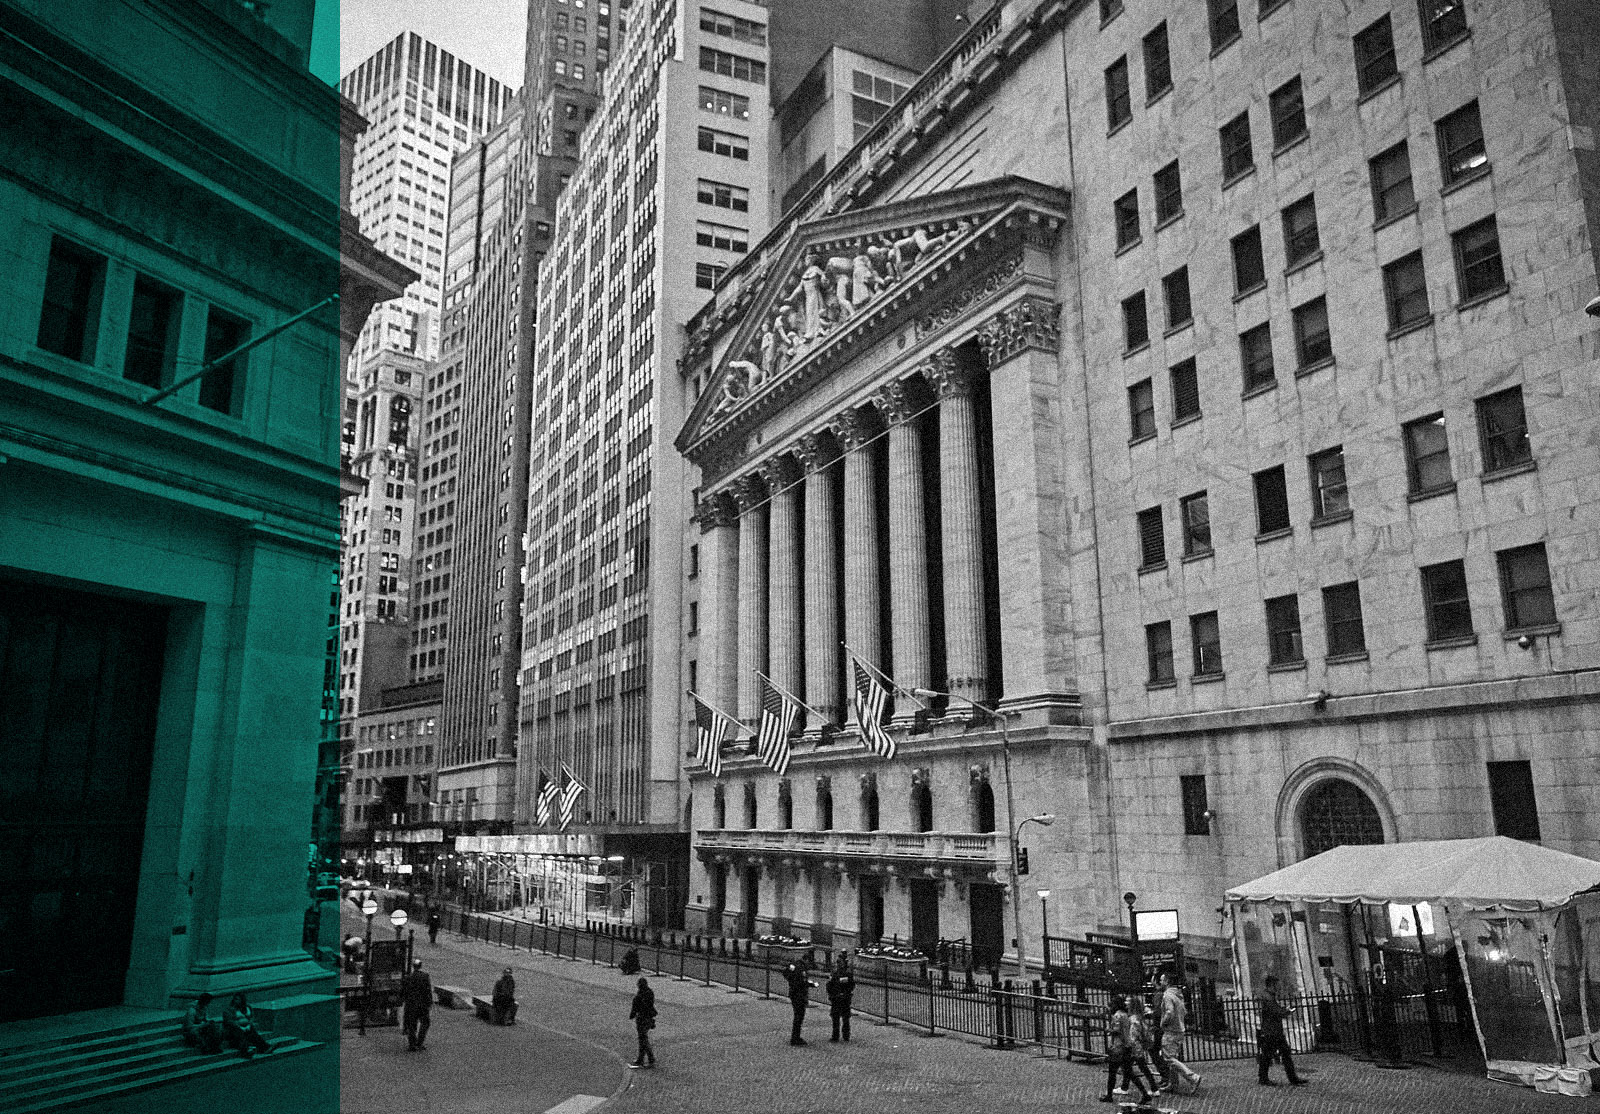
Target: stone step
28, 1065
47, 1046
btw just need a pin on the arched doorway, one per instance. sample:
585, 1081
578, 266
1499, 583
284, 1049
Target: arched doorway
982, 807
1334, 812
922, 807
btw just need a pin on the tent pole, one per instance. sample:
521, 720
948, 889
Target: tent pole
1430, 1007
1466, 976
1355, 981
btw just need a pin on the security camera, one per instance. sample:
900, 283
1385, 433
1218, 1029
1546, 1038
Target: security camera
1318, 699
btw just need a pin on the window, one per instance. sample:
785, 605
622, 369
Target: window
1427, 454
1284, 645
871, 97
723, 196
1142, 410
732, 27
1443, 22
1462, 154
725, 143
1175, 291
1169, 193
1185, 390
1405, 289
1300, 239
1152, 539
1525, 587
1157, 63
1375, 64
707, 274
1444, 598
1119, 105
1126, 210
1249, 266
733, 65
1478, 266
69, 319
1503, 430
1196, 810
1135, 327
1255, 355
1312, 342
1511, 799
1206, 639
1158, 652
152, 333
1329, 493
1272, 501
1237, 157
721, 236
724, 103
1288, 113
221, 388
1341, 617
1224, 22
1194, 514
1392, 192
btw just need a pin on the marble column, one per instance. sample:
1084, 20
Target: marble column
719, 601
966, 648
785, 656
816, 453
854, 428
751, 495
908, 543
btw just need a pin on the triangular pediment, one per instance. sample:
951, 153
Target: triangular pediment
831, 283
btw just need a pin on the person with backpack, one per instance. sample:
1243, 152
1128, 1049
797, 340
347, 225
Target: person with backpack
1119, 1052
643, 1016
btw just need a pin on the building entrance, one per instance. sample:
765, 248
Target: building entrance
987, 906
871, 908
924, 915
80, 683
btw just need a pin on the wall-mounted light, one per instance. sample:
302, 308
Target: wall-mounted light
1318, 700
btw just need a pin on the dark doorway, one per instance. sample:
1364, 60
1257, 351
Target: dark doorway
719, 897
925, 915
871, 920
752, 901
988, 925
80, 684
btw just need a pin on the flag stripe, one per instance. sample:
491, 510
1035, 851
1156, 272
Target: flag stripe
868, 701
778, 715
569, 795
712, 728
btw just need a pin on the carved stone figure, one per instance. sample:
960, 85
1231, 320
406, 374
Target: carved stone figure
864, 280
812, 279
769, 352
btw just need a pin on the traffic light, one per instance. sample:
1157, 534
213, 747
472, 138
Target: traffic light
1022, 860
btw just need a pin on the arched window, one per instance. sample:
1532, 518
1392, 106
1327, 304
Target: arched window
719, 807
922, 807
869, 804
982, 806
749, 804
785, 805
1335, 812
824, 805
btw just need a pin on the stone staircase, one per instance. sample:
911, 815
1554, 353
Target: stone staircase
62, 1071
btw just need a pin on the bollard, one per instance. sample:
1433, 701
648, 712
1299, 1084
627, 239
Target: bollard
708, 966
736, 989
944, 976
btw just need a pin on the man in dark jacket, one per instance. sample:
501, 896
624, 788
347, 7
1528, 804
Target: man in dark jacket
416, 998
841, 988
434, 921
795, 975
643, 1016
505, 999
1270, 1039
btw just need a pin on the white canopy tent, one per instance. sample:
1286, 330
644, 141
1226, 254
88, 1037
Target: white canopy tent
1524, 922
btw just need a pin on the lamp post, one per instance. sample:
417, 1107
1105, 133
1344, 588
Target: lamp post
1045, 819
1044, 932
369, 909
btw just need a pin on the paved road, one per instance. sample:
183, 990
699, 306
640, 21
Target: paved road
729, 1054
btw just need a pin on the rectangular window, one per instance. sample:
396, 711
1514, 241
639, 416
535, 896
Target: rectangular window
707, 274
1272, 501
1329, 493
724, 103
1196, 809
222, 387
724, 143
1511, 798
1142, 410
1152, 539
1205, 636
1405, 289
1175, 291
1312, 341
1288, 113
1169, 193
1185, 390
1479, 269
1462, 153
731, 26
1284, 646
1375, 64
1444, 597
1255, 356
1157, 63
1341, 616
152, 333
1223, 21
1126, 211
1427, 454
1135, 325
1237, 158
1300, 239
736, 66
1119, 102
69, 319
1158, 652
1392, 192
1194, 512
721, 236
1525, 587
1249, 265
1503, 430
722, 195
1443, 22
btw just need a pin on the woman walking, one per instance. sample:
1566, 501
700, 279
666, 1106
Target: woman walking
643, 1016
1119, 1052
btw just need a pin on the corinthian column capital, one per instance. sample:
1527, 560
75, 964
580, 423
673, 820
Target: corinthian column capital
814, 451
1029, 323
896, 401
717, 509
944, 373
780, 472
749, 492
854, 428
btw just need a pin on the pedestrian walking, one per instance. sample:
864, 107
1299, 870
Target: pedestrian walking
1141, 1031
1271, 1042
841, 988
504, 1000
434, 921
1119, 1052
799, 999
643, 1016
416, 1000
239, 1028
1171, 1026
200, 1031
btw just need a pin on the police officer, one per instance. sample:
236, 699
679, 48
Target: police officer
795, 975
841, 988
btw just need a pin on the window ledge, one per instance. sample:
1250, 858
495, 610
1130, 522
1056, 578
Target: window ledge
1330, 519
1260, 389
1239, 177
1446, 46
1430, 492
1119, 125
1310, 369
1451, 643
1395, 218
1486, 296
1174, 330
1466, 180
1290, 144
1302, 264
1136, 349
1156, 566
1207, 678
1152, 98
1198, 555
1274, 535
1508, 471
1539, 630
1129, 246
1141, 439
1156, 686
1225, 44
1409, 327
1287, 666
1173, 219
1249, 290
1345, 659
1185, 420
1387, 83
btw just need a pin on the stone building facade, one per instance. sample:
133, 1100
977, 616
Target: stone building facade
1229, 438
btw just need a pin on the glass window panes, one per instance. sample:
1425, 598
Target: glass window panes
1444, 595
1392, 191
1284, 645
1525, 587
1142, 410
1503, 430
1375, 61
1427, 454
1157, 62
1249, 266
1185, 390
1135, 324
1119, 103
1479, 267
1272, 500
1405, 290
1205, 637
1341, 618
1462, 153
1175, 292
1443, 22
1126, 213
1169, 192
1312, 340
1237, 156
1300, 238
1152, 538
1255, 357
1158, 652
1288, 113
1329, 493
1195, 514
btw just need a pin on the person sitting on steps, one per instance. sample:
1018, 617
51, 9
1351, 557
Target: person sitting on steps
239, 1027
199, 1030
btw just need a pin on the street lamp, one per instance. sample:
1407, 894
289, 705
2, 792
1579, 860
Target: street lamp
369, 909
1044, 931
1045, 819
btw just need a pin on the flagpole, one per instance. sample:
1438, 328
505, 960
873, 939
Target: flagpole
734, 720
883, 678
793, 697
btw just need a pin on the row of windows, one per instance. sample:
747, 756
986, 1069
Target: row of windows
724, 103
736, 66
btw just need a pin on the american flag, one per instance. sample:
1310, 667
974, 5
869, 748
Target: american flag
544, 805
711, 727
570, 792
778, 713
868, 701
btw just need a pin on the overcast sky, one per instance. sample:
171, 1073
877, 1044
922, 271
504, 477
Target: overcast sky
487, 34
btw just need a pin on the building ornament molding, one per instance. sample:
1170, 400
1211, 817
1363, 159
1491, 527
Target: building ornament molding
853, 428
968, 296
749, 491
897, 401
715, 511
945, 373
1029, 322
814, 451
